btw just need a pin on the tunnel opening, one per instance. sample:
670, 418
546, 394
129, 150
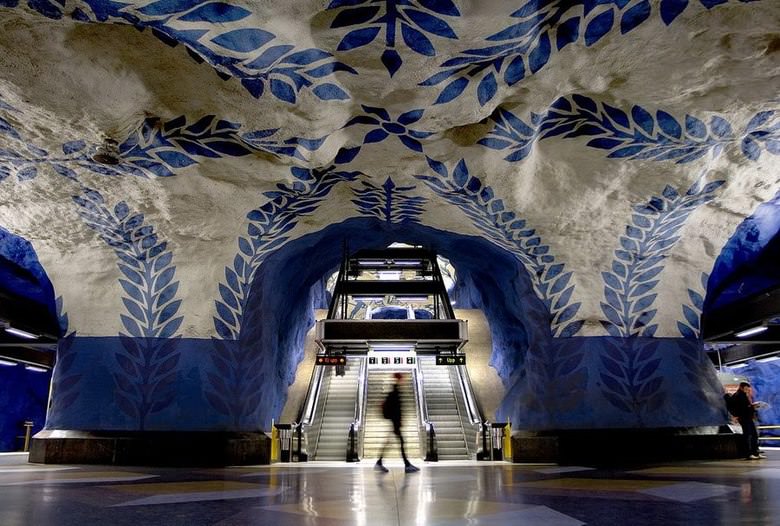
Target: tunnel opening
291, 284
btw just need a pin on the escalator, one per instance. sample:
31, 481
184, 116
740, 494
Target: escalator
339, 395
378, 430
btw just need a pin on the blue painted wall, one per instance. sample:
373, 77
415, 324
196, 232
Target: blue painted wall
241, 384
23, 396
750, 261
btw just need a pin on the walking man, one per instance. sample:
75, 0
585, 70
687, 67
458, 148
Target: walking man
391, 410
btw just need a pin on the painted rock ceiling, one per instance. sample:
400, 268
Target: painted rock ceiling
611, 147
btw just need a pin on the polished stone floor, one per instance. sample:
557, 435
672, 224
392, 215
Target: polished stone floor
692, 493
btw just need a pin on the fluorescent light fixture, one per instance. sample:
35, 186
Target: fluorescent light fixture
407, 262
746, 332
770, 359
412, 299
370, 262
738, 366
389, 275
392, 347
36, 368
7, 362
368, 298
21, 333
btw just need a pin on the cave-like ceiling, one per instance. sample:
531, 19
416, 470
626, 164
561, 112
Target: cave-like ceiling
155, 153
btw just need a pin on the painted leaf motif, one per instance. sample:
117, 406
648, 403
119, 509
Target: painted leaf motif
216, 12
671, 9
358, 38
354, 17
634, 16
540, 54
599, 26
243, 40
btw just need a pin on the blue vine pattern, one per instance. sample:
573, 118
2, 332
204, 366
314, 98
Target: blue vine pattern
636, 134
214, 31
239, 377
654, 230
630, 378
26, 162
692, 312
389, 203
487, 213
65, 383
525, 47
147, 366
412, 18
164, 146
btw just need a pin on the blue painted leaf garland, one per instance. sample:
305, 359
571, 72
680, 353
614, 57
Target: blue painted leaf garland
416, 21
649, 238
147, 366
689, 327
266, 232
65, 382
487, 213
163, 147
537, 30
635, 134
389, 203
630, 379
212, 31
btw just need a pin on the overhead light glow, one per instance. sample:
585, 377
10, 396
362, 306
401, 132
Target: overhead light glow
7, 362
738, 366
746, 332
412, 299
36, 368
21, 333
368, 298
770, 359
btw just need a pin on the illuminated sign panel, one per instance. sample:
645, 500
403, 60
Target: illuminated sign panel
331, 360
450, 359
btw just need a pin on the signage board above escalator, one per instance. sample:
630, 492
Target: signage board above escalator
451, 359
324, 359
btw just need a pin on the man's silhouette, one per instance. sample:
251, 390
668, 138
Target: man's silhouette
391, 410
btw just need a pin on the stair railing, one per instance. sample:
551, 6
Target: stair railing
313, 406
354, 443
426, 433
473, 409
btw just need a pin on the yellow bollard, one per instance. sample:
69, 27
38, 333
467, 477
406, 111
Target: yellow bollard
508, 442
274, 444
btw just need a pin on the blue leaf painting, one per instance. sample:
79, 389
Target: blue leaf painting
486, 211
538, 29
151, 304
633, 134
389, 203
267, 230
630, 377
418, 22
648, 240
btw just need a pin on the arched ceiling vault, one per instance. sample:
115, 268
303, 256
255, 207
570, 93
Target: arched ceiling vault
611, 147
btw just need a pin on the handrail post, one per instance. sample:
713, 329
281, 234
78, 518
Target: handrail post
432, 453
352, 455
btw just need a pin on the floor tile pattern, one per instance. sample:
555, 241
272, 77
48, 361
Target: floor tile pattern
441, 494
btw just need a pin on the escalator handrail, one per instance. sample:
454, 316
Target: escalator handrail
312, 397
360, 402
472, 404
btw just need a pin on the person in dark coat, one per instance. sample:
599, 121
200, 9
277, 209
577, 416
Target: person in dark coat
745, 411
391, 410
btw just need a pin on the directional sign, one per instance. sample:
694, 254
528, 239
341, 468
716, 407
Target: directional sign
331, 360
451, 359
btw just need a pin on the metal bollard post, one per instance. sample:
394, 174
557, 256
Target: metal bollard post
28, 425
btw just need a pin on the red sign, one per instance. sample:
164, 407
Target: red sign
331, 360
